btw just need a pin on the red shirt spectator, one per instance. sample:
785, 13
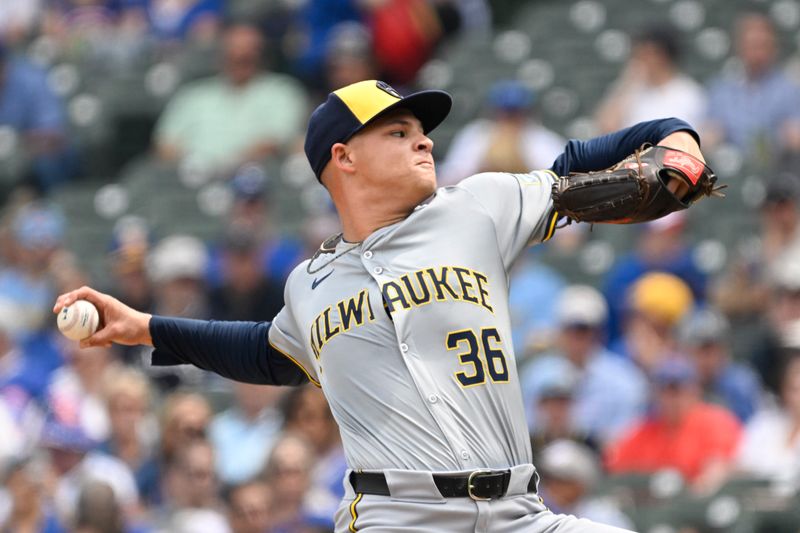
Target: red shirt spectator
683, 433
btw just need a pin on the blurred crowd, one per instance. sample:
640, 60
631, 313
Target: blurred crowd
661, 365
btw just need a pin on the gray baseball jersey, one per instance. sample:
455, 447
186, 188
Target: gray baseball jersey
409, 335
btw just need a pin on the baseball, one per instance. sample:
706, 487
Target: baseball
78, 320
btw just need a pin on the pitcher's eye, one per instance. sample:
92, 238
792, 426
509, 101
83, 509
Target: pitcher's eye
399, 133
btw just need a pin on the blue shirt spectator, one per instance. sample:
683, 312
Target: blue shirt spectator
30, 108
753, 111
244, 434
37, 231
736, 387
609, 391
39, 356
757, 107
249, 217
27, 103
535, 289
703, 336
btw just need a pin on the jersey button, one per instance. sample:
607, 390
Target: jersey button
404, 347
367, 255
464, 454
433, 398
377, 271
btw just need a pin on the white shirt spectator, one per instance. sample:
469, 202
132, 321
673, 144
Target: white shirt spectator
539, 147
72, 404
18, 16
13, 442
96, 466
770, 448
681, 97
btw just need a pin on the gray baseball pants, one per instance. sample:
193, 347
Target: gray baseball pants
416, 506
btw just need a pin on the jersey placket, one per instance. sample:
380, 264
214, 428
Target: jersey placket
381, 272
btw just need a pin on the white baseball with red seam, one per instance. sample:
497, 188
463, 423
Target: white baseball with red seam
78, 320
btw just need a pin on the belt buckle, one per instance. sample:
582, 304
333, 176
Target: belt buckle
470, 485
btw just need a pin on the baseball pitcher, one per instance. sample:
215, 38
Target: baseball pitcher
402, 319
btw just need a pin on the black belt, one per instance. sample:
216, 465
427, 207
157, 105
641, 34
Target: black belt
478, 485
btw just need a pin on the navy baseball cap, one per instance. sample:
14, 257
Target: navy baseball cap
510, 96
350, 109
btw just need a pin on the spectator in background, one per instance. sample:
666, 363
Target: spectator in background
535, 289
185, 418
17, 19
610, 392
756, 107
770, 446
248, 506
132, 435
74, 462
780, 218
176, 268
289, 469
14, 430
29, 509
306, 414
12, 360
251, 214
683, 433
474, 16
656, 304
191, 483
246, 293
26, 285
509, 139
570, 472
742, 291
752, 283
74, 395
98, 511
37, 231
316, 21
781, 313
23, 379
130, 245
349, 57
66, 272
33, 112
553, 407
660, 246
405, 34
651, 85
242, 115
243, 434
703, 336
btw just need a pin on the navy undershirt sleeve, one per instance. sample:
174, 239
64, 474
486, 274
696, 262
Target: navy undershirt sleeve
237, 350
605, 151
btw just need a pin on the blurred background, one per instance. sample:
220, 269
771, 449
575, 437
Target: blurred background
153, 149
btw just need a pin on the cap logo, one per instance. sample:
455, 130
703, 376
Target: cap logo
385, 87
364, 101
